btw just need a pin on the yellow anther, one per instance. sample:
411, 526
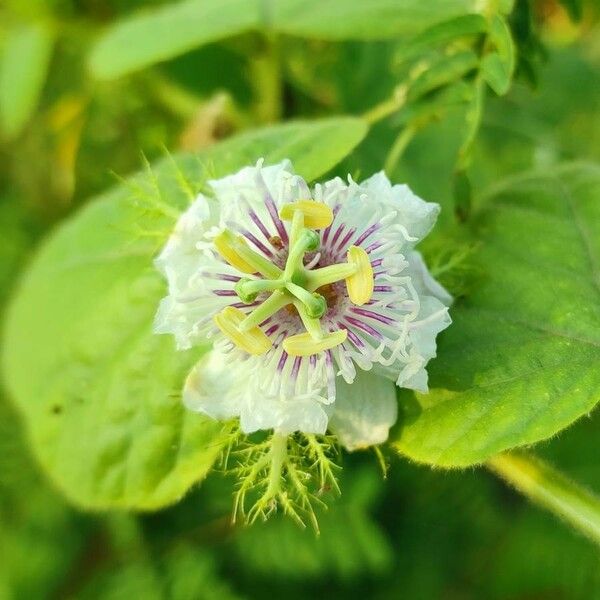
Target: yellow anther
316, 214
253, 341
360, 285
227, 251
303, 344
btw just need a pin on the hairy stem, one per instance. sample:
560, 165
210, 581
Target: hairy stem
278, 456
544, 485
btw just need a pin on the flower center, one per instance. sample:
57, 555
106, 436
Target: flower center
293, 286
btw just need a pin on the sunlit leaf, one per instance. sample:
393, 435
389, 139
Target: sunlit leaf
375, 19
150, 36
24, 61
444, 70
497, 67
521, 360
100, 392
440, 33
143, 39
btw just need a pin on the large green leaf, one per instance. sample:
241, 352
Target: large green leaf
149, 37
522, 358
100, 392
375, 19
153, 36
23, 65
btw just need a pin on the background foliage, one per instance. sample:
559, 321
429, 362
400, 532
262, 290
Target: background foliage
476, 105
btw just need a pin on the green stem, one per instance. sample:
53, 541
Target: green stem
387, 107
397, 150
278, 456
544, 485
267, 79
175, 98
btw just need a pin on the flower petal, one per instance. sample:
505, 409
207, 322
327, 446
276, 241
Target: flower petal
214, 388
263, 189
416, 215
180, 258
284, 415
424, 282
364, 411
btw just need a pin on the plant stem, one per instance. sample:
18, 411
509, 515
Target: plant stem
278, 455
544, 485
404, 138
267, 79
387, 107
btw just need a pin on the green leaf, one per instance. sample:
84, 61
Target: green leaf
443, 71
98, 391
372, 20
442, 33
146, 38
574, 8
497, 67
23, 66
152, 36
521, 360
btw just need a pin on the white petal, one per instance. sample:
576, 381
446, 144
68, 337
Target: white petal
180, 258
364, 411
424, 282
416, 215
254, 185
214, 388
284, 415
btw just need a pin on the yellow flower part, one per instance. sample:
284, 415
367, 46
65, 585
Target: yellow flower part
360, 285
227, 251
317, 215
304, 344
253, 340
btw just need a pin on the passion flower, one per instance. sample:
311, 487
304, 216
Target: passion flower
300, 290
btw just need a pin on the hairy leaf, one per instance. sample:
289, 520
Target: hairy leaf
521, 360
100, 392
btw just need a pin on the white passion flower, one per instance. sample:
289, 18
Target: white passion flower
301, 291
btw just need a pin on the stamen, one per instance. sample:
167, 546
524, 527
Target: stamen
295, 285
226, 250
237, 253
253, 340
360, 285
317, 215
304, 345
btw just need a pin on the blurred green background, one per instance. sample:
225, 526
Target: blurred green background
420, 533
